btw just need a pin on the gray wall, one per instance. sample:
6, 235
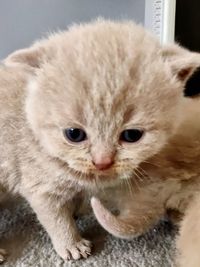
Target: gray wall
23, 21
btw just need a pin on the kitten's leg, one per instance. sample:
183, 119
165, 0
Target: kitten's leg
137, 219
3, 253
57, 220
188, 242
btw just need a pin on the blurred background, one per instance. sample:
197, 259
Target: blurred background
187, 33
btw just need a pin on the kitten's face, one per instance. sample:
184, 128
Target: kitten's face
106, 101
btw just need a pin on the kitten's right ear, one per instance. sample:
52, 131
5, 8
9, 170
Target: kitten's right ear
183, 63
32, 57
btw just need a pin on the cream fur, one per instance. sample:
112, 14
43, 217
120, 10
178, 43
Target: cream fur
173, 187
103, 77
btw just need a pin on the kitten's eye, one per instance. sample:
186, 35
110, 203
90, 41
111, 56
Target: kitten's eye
131, 135
75, 135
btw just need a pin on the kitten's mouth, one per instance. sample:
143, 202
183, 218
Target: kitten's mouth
94, 174
101, 176
114, 175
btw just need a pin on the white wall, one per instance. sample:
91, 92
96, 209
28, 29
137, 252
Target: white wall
23, 21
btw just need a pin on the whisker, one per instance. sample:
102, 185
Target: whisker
143, 177
96, 182
136, 180
130, 182
146, 174
127, 181
143, 173
150, 163
140, 175
129, 186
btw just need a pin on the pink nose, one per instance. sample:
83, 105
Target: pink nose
103, 164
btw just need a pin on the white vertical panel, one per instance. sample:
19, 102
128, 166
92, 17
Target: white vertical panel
157, 19
160, 18
169, 10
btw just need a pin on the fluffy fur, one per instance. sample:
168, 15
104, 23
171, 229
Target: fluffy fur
102, 77
173, 187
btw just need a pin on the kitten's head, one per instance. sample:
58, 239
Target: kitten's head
104, 97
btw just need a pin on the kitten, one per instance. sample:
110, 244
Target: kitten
100, 99
173, 186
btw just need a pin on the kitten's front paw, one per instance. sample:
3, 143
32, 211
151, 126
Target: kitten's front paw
80, 249
3, 253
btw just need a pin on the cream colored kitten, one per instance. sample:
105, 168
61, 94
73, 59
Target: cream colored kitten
101, 98
174, 186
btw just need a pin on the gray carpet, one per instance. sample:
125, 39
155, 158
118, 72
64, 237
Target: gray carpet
29, 245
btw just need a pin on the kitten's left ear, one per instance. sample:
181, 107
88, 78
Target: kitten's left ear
183, 63
31, 58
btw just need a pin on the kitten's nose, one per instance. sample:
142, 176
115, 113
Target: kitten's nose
103, 163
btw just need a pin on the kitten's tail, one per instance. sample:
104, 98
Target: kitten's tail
115, 225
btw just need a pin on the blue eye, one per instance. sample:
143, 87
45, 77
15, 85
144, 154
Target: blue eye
75, 135
131, 135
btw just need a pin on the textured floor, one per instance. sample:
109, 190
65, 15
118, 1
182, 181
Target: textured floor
29, 245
